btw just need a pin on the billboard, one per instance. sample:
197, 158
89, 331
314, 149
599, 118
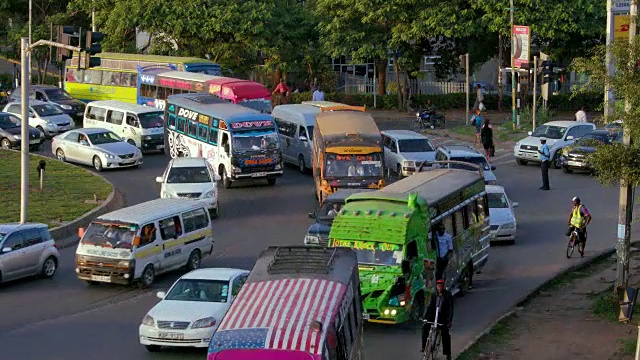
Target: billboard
521, 43
621, 27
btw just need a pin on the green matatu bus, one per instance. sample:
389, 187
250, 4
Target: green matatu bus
391, 233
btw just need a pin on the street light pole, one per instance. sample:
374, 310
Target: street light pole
609, 99
625, 207
513, 73
24, 136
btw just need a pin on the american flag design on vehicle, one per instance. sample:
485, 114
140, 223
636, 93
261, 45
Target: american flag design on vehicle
277, 314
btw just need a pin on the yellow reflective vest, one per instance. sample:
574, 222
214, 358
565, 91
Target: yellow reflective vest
577, 219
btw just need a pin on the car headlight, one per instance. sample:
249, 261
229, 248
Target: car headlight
407, 163
417, 114
312, 239
148, 320
565, 152
235, 169
109, 156
278, 166
208, 194
66, 107
508, 226
17, 137
147, 137
399, 300
204, 323
81, 259
518, 144
128, 264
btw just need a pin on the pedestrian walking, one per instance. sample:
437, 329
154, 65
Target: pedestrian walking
479, 98
486, 137
318, 95
476, 121
545, 156
581, 115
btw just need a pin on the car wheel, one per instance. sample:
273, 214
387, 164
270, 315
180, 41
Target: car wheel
567, 170
556, 163
271, 181
49, 267
5, 143
152, 348
521, 162
398, 171
301, 165
97, 163
215, 213
148, 276
60, 155
194, 261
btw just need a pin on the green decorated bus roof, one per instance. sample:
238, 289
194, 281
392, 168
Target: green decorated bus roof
152, 58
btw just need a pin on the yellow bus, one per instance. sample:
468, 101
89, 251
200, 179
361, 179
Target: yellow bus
117, 76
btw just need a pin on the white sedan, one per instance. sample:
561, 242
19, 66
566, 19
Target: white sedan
189, 314
502, 218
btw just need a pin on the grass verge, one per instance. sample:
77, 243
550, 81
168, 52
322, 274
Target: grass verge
66, 189
499, 336
628, 346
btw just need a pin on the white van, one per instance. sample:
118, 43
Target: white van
139, 125
295, 129
136, 243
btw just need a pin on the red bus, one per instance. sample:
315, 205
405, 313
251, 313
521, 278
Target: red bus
299, 303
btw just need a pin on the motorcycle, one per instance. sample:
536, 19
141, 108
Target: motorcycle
426, 119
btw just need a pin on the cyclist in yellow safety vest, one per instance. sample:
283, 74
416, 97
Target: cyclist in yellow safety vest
579, 218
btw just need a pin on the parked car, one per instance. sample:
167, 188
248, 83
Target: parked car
502, 217
318, 232
191, 311
98, 147
574, 157
468, 154
558, 134
55, 95
11, 133
46, 117
614, 125
405, 151
27, 250
192, 178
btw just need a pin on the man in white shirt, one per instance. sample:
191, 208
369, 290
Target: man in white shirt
581, 116
318, 95
445, 246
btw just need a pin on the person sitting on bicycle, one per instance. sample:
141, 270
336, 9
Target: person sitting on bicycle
431, 111
443, 301
579, 218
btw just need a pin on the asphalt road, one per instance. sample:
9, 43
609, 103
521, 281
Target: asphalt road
63, 318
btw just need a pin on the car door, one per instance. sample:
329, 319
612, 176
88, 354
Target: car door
585, 129
69, 143
32, 250
574, 133
171, 230
13, 257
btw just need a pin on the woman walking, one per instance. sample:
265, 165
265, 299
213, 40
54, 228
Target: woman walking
477, 121
486, 136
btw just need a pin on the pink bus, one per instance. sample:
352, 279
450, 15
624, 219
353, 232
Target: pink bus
244, 92
299, 303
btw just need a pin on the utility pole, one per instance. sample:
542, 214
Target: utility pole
93, 20
500, 72
625, 207
609, 100
466, 82
513, 73
24, 123
535, 91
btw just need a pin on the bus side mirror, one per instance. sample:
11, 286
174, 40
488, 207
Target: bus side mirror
406, 266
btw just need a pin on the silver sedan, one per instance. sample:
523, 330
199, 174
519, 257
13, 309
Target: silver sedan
100, 148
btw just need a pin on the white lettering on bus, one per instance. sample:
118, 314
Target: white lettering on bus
188, 114
147, 79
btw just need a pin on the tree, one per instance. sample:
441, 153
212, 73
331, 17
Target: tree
616, 162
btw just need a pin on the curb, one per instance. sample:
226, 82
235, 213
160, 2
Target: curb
533, 293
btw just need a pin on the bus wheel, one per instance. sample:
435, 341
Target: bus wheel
226, 182
302, 167
148, 275
417, 307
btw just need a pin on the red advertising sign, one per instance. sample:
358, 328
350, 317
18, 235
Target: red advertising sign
176, 84
521, 43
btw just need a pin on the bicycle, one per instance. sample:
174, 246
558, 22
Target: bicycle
573, 239
433, 340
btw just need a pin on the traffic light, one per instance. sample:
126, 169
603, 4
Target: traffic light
547, 67
93, 47
69, 36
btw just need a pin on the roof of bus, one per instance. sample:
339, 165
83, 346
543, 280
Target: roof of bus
277, 311
344, 122
222, 80
216, 107
151, 210
305, 113
155, 58
185, 75
248, 89
323, 104
124, 106
431, 185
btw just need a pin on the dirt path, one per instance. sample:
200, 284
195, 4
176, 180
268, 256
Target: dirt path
573, 318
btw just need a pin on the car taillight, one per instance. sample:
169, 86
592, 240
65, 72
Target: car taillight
55, 245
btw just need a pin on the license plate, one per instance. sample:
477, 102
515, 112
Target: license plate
259, 174
170, 335
33, 142
128, 162
365, 316
101, 278
160, 147
529, 155
573, 163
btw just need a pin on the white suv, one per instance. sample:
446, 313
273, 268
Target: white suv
558, 134
192, 178
466, 153
405, 151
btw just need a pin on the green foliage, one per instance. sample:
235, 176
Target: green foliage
619, 161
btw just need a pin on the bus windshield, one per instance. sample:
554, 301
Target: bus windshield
151, 119
262, 105
338, 165
116, 236
372, 252
255, 141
